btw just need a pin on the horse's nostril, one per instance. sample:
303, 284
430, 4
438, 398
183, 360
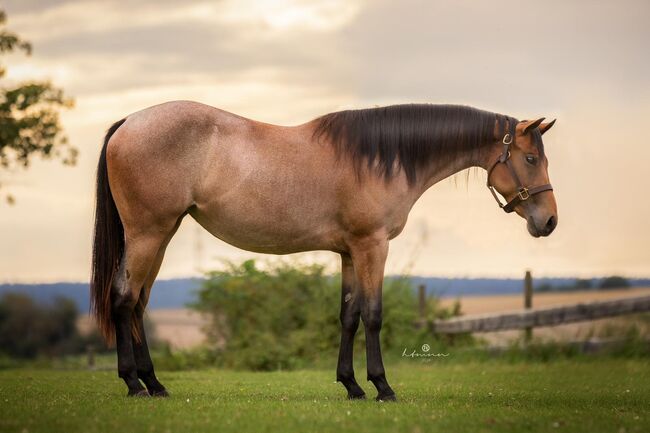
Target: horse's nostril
551, 223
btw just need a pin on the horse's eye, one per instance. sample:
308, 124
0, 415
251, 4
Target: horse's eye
531, 159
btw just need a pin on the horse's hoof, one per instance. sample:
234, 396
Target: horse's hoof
140, 393
162, 393
388, 397
357, 396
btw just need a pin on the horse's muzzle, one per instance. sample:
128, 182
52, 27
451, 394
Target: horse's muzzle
542, 228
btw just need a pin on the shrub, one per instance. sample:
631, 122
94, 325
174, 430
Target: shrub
286, 315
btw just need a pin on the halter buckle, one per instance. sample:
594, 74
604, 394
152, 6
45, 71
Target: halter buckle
523, 194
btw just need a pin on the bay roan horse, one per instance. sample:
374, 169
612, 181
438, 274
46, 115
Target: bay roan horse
344, 182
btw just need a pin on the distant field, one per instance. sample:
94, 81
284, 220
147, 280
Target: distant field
580, 396
495, 303
182, 328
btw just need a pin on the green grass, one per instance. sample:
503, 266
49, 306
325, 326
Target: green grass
586, 395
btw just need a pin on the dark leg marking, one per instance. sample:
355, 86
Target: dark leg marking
372, 319
126, 366
144, 364
350, 313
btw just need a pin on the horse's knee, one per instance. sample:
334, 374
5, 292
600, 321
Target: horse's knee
372, 319
349, 321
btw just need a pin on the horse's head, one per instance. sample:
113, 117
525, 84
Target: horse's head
520, 174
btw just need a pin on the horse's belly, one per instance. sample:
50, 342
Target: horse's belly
274, 231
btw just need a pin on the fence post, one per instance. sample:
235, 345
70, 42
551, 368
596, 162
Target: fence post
422, 304
90, 352
528, 303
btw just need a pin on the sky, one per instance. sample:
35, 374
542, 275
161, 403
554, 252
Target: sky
585, 63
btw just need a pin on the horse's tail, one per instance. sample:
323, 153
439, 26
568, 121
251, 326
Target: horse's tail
108, 246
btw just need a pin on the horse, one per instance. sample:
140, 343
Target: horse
344, 182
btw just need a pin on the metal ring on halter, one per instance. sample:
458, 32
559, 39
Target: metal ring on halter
507, 139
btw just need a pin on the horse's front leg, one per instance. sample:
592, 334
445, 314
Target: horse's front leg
350, 313
369, 257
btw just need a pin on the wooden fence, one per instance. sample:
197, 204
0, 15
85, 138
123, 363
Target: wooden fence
528, 318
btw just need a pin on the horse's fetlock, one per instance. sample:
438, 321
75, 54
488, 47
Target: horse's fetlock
146, 373
345, 375
376, 374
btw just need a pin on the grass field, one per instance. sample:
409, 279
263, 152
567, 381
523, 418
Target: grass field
589, 395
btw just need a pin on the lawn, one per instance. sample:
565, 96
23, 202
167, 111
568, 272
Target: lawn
585, 395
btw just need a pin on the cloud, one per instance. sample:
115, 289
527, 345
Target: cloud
45, 20
195, 42
501, 54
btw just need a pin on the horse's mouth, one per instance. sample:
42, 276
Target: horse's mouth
537, 232
532, 229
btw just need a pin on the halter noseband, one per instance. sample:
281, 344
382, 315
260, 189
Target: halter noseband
523, 192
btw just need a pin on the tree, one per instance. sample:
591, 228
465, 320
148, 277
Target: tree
614, 282
28, 329
29, 115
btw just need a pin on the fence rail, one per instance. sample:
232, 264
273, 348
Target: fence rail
549, 316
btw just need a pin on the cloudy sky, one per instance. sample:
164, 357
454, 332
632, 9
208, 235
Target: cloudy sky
287, 61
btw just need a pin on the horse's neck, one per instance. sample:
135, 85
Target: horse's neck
437, 171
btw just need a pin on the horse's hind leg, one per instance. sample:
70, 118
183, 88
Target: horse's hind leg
139, 257
143, 361
350, 313
144, 365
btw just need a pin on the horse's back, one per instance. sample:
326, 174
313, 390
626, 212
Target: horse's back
260, 187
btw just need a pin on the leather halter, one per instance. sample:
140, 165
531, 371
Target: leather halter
523, 192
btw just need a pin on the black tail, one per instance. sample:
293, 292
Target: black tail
108, 246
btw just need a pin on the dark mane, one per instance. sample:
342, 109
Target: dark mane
409, 136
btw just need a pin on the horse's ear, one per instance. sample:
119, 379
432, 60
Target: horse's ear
546, 126
529, 125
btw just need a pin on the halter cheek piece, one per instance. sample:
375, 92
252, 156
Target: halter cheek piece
523, 192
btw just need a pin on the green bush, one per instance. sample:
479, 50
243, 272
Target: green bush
286, 315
